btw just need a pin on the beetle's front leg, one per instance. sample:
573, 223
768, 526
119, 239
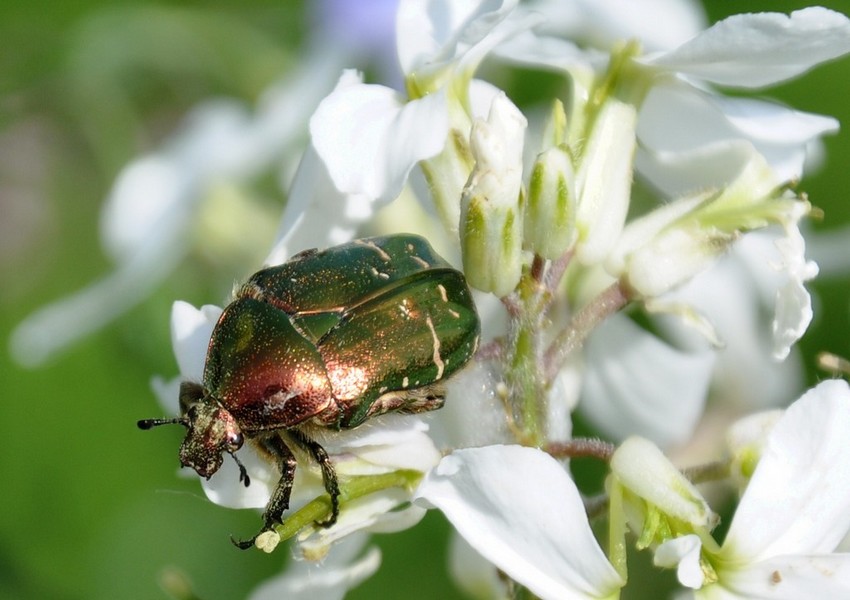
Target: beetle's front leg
329, 478
279, 502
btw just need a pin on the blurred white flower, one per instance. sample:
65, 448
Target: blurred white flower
155, 213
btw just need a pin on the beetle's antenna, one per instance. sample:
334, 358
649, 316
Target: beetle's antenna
149, 423
243, 472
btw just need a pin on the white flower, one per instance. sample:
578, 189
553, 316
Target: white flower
794, 512
520, 510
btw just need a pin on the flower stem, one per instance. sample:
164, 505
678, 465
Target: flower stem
349, 489
609, 301
525, 383
581, 448
713, 471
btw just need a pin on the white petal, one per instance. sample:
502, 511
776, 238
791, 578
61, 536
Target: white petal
534, 528
226, 489
638, 385
375, 512
753, 50
168, 394
536, 51
330, 580
435, 33
735, 295
474, 414
53, 328
317, 214
677, 120
657, 24
785, 578
793, 302
369, 139
682, 553
473, 574
642, 230
385, 443
798, 496
148, 203
191, 329
745, 441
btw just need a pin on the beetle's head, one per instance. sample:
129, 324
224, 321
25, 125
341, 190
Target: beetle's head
212, 431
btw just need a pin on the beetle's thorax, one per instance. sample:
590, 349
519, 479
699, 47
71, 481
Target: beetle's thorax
212, 431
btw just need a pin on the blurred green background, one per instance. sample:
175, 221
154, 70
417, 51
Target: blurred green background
91, 507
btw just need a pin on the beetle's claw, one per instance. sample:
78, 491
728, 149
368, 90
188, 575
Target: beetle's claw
330, 521
244, 544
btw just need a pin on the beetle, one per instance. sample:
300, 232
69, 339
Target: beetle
329, 339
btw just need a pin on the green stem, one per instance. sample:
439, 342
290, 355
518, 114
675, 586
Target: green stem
523, 377
617, 529
349, 489
609, 301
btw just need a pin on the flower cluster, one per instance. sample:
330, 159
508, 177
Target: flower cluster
639, 187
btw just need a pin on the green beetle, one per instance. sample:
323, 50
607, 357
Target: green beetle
330, 338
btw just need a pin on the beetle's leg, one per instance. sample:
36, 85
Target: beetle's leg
329, 478
279, 501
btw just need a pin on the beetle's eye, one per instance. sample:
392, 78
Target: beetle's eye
234, 441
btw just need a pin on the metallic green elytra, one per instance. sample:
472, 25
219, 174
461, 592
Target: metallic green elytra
329, 339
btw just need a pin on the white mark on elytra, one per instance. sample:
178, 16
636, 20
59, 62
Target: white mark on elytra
420, 262
454, 313
443, 293
405, 382
378, 274
384, 256
438, 360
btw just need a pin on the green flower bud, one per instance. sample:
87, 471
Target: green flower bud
550, 215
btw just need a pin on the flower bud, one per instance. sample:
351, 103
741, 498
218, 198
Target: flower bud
604, 180
491, 205
644, 470
550, 213
675, 242
745, 441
